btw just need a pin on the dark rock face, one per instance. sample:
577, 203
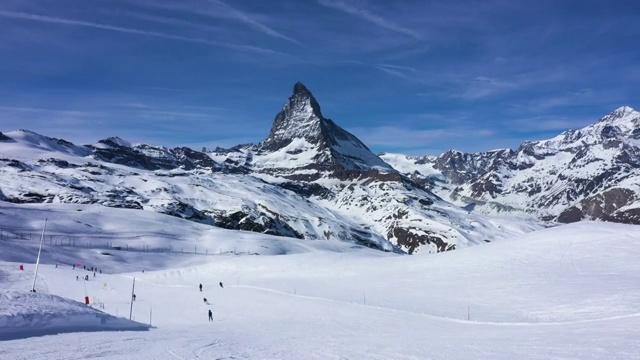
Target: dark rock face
262, 223
300, 118
461, 167
153, 158
602, 206
4, 137
410, 239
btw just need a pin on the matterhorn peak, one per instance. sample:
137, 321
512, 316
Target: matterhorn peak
300, 127
299, 118
303, 98
300, 89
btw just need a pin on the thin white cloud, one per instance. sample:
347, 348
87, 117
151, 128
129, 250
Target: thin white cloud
22, 109
220, 10
580, 97
399, 67
403, 72
250, 21
367, 15
483, 86
167, 20
72, 22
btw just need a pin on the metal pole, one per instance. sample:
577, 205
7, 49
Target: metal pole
150, 314
133, 288
35, 274
468, 312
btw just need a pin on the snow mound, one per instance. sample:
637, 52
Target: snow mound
24, 315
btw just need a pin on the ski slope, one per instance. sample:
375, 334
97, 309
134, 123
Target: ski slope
568, 292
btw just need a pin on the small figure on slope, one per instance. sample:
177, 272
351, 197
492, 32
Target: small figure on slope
210, 315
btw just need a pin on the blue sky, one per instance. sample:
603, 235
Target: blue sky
418, 77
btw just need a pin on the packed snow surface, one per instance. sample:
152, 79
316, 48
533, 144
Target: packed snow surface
567, 292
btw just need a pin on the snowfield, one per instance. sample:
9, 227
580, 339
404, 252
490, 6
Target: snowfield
25, 315
569, 292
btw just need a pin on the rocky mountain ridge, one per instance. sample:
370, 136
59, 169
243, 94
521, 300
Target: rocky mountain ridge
309, 179
588, 174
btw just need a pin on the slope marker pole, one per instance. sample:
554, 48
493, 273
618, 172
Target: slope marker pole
35, 274
133, 288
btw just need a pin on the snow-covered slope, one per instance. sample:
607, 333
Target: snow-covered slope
115, 177
591, 173
24, 315
549, 294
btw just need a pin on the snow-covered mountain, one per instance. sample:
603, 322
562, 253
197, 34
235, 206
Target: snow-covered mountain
309, 179
306, 140
591, 173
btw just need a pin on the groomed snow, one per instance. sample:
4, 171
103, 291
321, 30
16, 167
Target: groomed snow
23, 315
568, 292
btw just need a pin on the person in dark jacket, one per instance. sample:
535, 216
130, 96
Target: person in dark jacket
200, 287
221, 284
210, 315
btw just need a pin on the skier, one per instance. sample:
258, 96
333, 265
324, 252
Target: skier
221, 284
74, 266
210, 315
94, 274
205, 301
134, 297
86, 277
77, 278
200, 287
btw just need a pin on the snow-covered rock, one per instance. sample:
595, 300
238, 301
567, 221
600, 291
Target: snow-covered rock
590, 173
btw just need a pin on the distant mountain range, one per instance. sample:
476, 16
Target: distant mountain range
311, 179
587, 174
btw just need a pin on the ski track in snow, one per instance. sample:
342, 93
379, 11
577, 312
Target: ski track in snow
443, 318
